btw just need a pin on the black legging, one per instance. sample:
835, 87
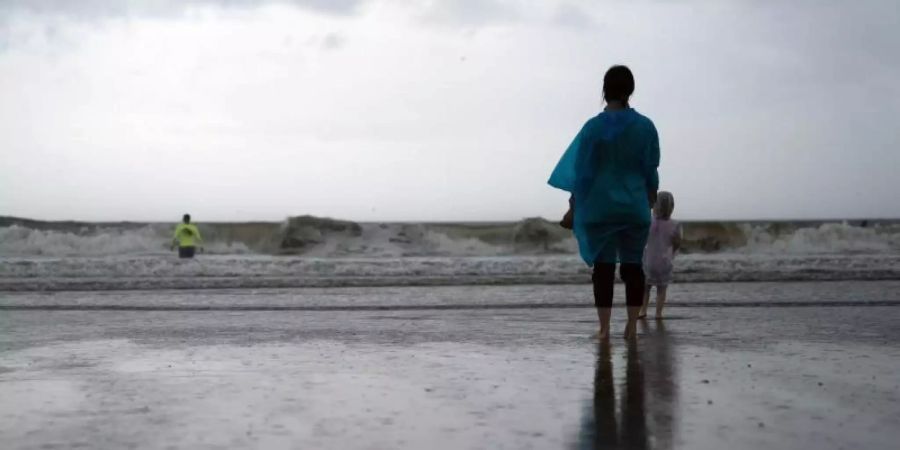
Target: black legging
605, 275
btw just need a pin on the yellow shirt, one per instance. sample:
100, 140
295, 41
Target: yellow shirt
186, 234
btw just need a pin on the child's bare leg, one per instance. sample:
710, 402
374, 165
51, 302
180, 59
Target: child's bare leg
646, 304
660, 300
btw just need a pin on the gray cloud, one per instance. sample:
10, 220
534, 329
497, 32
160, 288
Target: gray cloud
573, 16
452, 13
469, 12
860, 35
333, 41
99, 9
801, 95
52, 11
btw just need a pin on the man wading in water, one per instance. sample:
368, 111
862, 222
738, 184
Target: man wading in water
186, 237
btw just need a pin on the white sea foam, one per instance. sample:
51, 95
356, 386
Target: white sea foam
397, 240
258, 271
16, 240
137, 257
147, 240
825, 238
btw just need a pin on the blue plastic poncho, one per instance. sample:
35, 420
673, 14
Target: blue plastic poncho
609, 168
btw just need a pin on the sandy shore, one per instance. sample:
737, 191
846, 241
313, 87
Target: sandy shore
709, 377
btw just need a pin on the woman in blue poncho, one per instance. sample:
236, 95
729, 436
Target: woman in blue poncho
610, 170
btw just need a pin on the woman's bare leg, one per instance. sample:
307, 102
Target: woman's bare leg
604, 276
635, 284
660, 300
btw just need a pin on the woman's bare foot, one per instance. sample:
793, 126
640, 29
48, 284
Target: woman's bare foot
630, 330
646, 304
604, 315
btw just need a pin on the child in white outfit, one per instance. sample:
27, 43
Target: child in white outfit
663, 242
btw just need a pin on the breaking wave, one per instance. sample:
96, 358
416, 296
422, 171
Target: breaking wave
305, 235
840, 238
308, 251
324, 238
147, 240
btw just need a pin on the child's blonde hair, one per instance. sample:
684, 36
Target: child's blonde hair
665, 204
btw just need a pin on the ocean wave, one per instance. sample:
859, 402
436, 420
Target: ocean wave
313, 252
826, 238
147, 240
304, 235
327, 238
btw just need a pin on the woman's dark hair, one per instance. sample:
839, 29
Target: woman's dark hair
186, 218
618, 84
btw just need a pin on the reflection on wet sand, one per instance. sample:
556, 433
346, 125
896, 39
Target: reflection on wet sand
647, 398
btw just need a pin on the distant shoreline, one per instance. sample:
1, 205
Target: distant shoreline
6, 221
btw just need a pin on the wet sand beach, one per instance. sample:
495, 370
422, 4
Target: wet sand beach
778, 365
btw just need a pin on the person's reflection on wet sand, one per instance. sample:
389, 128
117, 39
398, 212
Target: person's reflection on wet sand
634, 421
599, 429
647, 397
662, 391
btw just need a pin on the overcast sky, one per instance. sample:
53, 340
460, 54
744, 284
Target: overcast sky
438, 110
